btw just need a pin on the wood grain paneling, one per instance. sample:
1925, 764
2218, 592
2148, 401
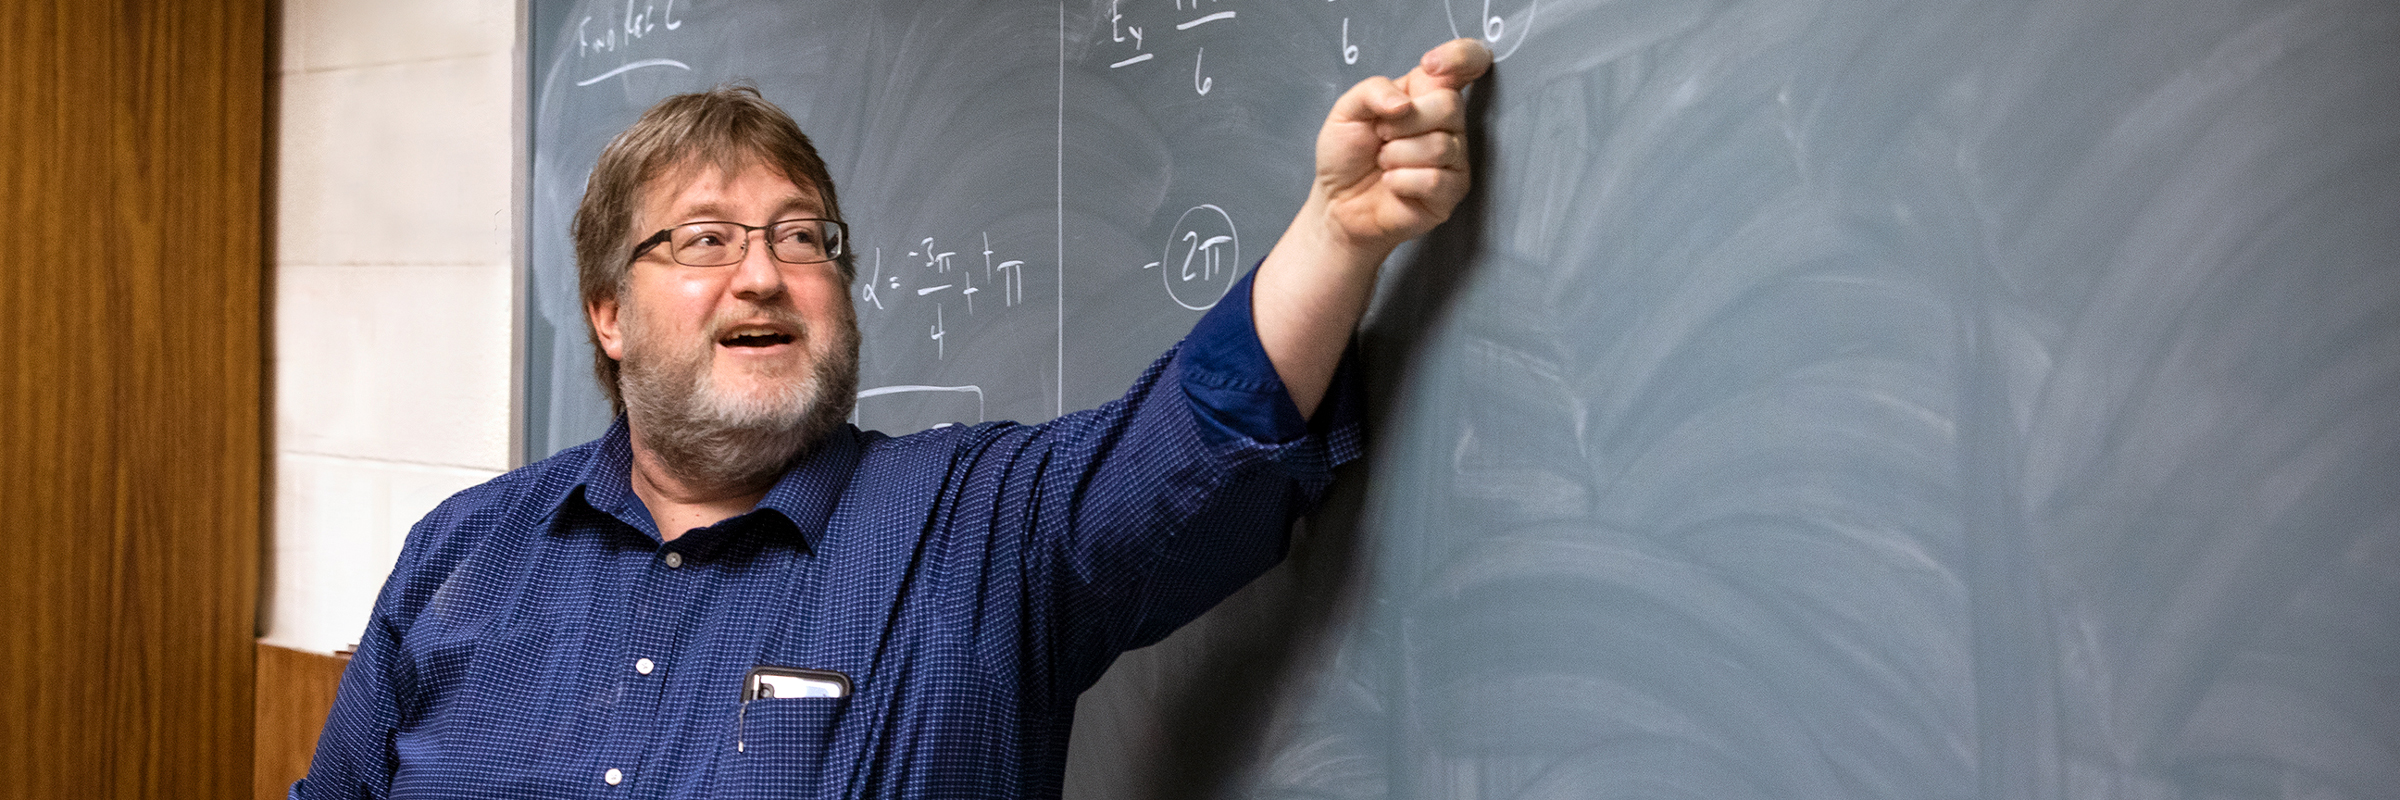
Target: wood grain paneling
131, 404
295, 692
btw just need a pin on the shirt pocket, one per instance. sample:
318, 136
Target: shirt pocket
778, 747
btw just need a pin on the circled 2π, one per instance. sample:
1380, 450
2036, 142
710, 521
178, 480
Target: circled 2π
1202, 255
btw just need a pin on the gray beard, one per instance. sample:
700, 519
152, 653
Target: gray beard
704, 438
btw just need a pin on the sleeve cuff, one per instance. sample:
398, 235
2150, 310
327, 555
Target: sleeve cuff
1233, 385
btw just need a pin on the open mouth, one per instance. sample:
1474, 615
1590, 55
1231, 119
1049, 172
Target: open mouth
755, 337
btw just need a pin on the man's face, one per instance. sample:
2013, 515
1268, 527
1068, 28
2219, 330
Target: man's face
756, 343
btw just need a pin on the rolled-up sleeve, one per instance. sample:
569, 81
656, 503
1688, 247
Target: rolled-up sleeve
1241, 400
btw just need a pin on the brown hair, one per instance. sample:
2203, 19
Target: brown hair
730, 127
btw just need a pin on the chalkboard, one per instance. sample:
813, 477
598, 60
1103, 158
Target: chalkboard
1815, 398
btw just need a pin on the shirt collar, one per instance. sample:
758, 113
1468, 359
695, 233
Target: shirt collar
806, 493
804, 496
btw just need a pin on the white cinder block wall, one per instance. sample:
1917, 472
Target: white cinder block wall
393, 290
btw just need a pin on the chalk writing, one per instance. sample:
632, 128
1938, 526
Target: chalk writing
1206, 250
1502, 24
1116, 33
869, 294
1189, 18
1188, 25
1011, 275
981, 413
937, 278
641, 20
1012, 287
938, 332
940, 262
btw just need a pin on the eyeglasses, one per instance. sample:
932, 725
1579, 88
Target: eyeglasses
716, 243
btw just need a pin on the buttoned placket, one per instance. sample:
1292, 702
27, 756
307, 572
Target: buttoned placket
645, 665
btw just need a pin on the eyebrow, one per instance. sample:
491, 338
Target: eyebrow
714, 210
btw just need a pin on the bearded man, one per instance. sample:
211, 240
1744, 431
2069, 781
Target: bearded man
734, 594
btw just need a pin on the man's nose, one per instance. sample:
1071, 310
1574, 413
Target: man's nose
757, 276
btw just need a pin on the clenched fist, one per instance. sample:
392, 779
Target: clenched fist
1391, 164
1392, 158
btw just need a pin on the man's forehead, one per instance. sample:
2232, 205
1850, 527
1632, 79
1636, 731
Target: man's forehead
709, 189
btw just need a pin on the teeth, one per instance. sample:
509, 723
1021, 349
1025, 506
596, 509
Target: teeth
752, 336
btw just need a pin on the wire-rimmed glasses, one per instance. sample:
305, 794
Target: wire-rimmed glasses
716, 243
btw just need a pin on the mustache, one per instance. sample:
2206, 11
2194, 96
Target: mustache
726, 319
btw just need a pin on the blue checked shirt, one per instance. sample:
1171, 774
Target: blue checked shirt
538, 640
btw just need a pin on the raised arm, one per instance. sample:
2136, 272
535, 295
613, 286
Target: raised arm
1391, 164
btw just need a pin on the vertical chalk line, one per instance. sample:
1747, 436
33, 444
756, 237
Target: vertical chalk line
1061, 178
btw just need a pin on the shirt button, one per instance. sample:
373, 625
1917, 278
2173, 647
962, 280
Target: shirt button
674, 560
613, 776
643, 665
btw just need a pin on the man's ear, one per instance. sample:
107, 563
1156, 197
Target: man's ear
603, 314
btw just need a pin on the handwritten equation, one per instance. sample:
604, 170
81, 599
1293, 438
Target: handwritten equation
608, 43
933, 275
1144, 30
1188, 15
1202, 256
